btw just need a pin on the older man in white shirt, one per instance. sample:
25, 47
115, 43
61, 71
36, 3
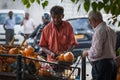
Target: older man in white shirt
102, 51
29, 25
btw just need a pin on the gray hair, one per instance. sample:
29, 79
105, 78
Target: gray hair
95, 15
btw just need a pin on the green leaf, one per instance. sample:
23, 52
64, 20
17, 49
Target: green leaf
107, 8
28, 5
105, 1
73, 1
38, 1
32, 1
86, 6
44, 4
25, 2
78, 7
113, 9
13, 0
94, 6
100, 5
119, 24
118, 51
118, 1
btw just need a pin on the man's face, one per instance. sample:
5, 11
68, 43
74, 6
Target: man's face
26, 16
92, 22
45, 21
57, 19
11, 14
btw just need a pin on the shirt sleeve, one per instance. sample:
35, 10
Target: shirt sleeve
43, 41
73, 41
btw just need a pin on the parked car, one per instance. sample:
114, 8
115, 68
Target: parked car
18, 16
83, 34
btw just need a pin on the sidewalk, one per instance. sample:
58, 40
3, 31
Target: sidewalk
88, 71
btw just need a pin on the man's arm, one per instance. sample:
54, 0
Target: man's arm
4, 26
71, 48
47, 51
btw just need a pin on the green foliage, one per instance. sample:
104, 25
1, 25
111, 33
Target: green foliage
78, 7
38, 1
119, 24
94, 6
73, 1
25, 2
28, 5
106, 8
44, 4
100, 5
105, 1
87, 5
32, 1
118, 51
109, 6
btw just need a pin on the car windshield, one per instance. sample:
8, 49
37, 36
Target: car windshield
17, 16
80, 24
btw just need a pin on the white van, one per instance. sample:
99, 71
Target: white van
18, 16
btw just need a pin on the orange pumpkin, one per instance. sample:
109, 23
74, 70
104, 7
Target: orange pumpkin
23, 53
60, 57
13, 51
29, 51
10, 60
69, 57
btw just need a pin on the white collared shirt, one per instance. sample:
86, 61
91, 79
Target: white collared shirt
103, 43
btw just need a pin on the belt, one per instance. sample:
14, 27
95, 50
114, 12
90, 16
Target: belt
107, 59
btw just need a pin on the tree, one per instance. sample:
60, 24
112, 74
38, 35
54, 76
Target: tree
109, 6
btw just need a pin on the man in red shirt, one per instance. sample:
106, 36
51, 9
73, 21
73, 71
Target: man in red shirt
57, 36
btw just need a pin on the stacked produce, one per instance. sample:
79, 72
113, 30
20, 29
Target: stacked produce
25, 51
7, 64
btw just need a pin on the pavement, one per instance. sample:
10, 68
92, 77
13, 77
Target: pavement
88, 71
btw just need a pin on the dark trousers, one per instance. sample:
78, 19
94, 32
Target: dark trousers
105, 69
9, 35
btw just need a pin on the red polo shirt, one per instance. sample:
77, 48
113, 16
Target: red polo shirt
57, 40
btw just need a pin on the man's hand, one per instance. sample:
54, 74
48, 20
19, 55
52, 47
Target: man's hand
52, 55
47, 51
85, 53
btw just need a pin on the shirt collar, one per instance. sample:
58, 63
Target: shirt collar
100, 25
60, 26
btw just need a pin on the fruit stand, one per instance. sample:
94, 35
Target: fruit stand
17, 64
